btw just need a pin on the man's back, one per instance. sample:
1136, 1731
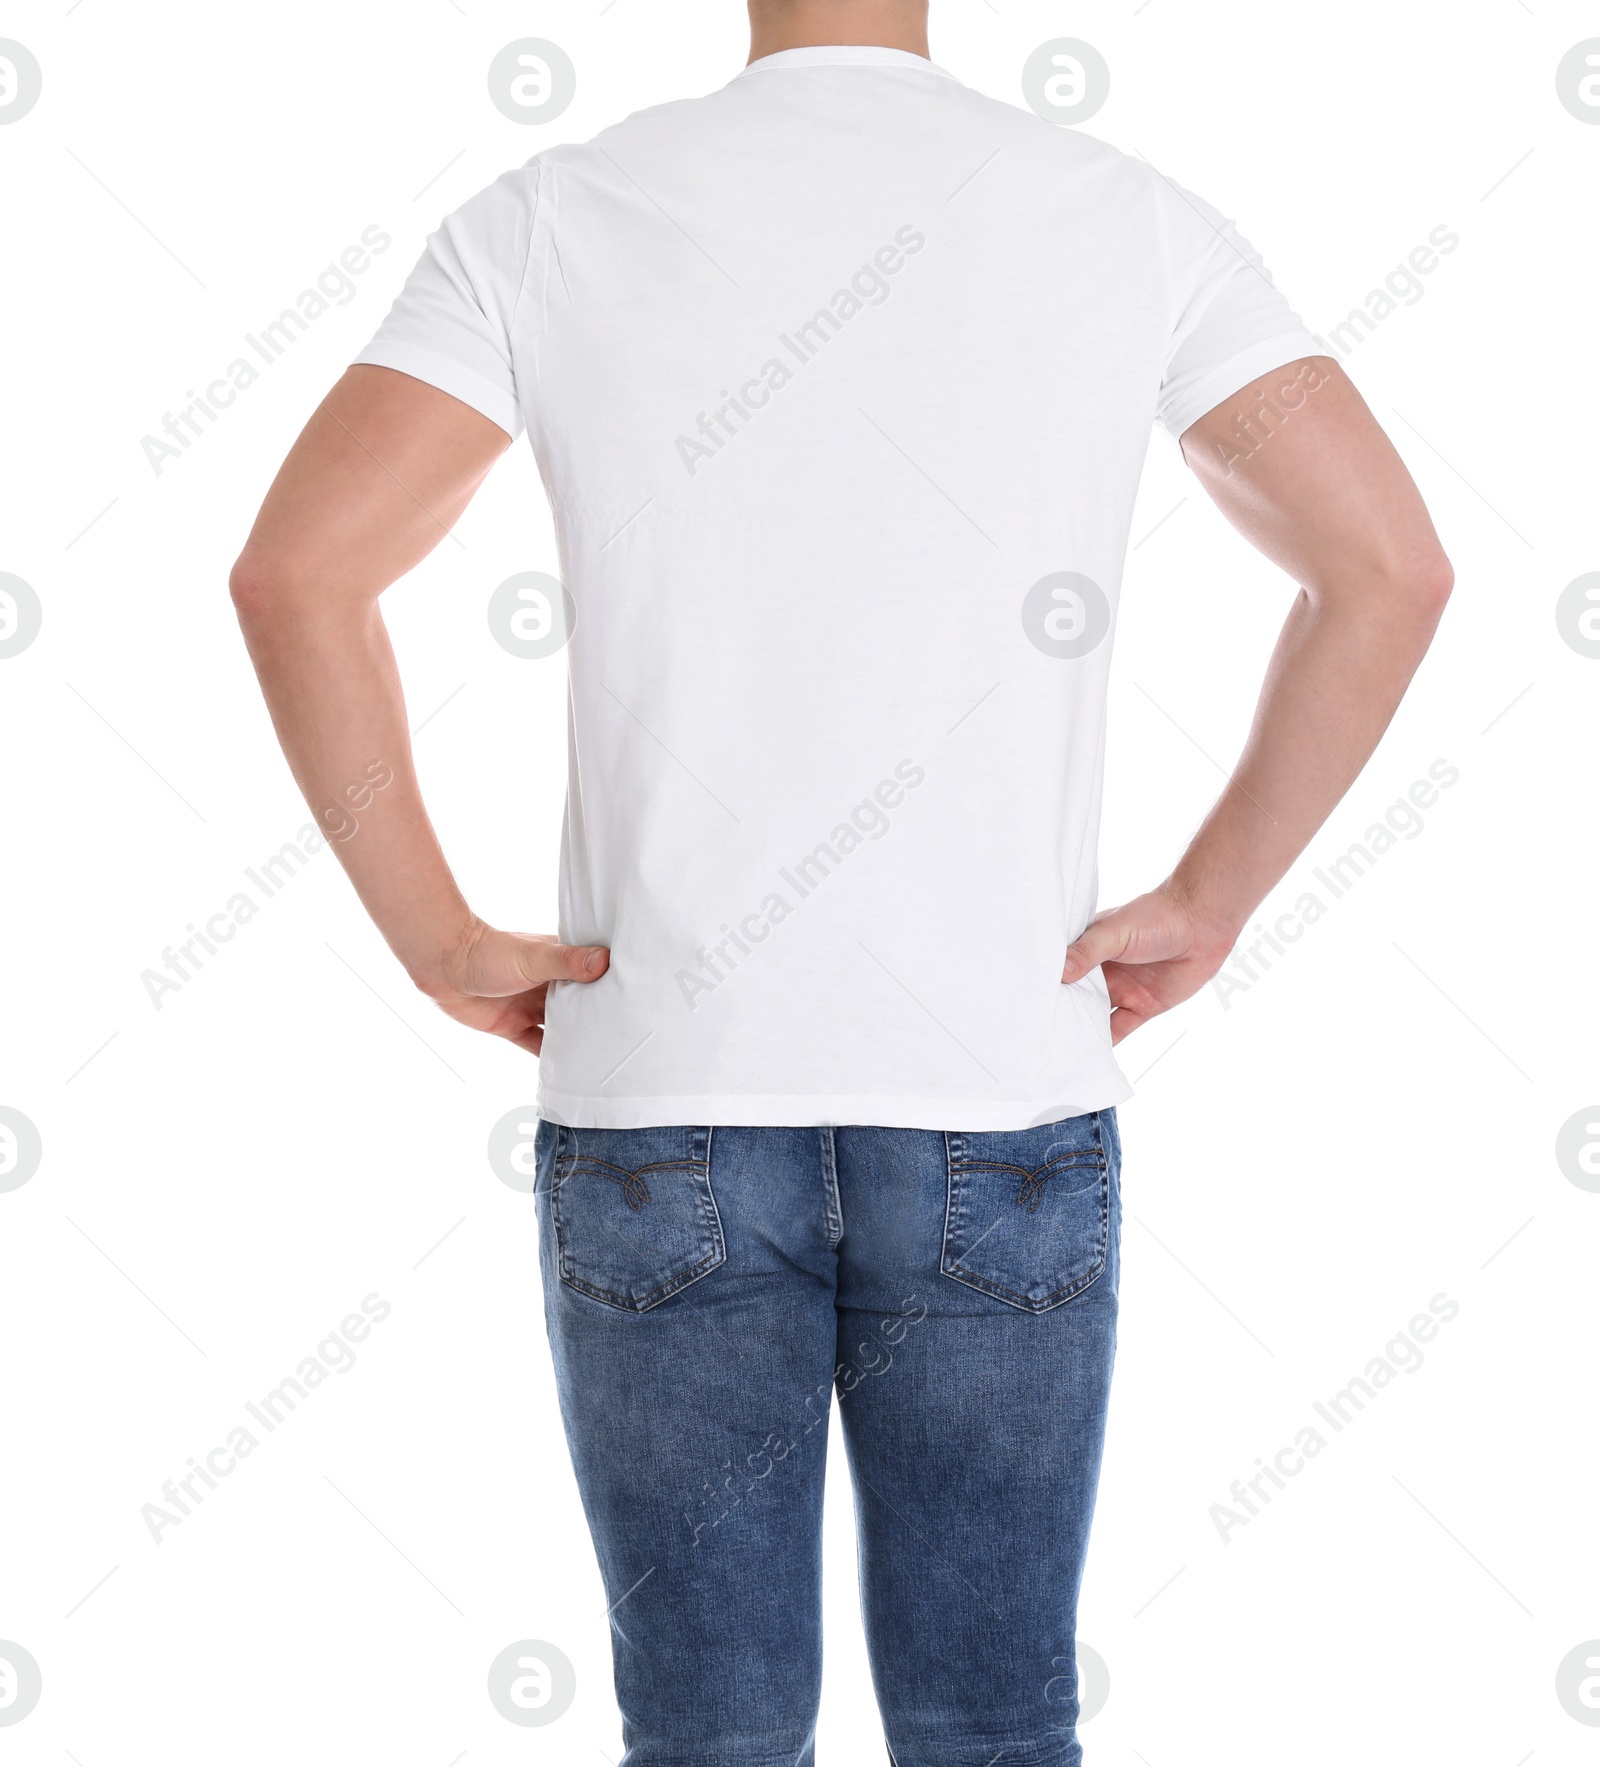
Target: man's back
840, 381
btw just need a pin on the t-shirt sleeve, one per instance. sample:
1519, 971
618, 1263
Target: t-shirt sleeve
1232, 325
451, 325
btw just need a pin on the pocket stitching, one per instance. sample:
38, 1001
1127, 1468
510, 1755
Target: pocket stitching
957, 1162
626, 1178
1036, 1180
699, 1163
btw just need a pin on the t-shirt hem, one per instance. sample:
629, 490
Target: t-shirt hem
1236, 372
495, 403
837, 1110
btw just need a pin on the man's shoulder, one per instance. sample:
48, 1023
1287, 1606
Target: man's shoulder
708, 129
654, 126
951, 103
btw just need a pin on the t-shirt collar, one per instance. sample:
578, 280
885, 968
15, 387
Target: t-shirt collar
844, 55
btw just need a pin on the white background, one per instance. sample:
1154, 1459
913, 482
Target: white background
1368, 1125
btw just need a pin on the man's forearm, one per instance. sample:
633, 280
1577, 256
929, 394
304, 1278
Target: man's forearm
1342, 662
329, 676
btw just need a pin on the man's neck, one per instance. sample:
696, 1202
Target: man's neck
803, 24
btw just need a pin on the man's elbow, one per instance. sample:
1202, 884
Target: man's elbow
255, 589
270, 592
1428, 586
1435, 577
1407, 587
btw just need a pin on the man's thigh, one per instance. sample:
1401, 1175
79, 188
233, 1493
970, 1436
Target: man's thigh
977, 1324
689, 1294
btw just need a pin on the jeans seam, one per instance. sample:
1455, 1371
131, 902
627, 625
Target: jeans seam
832, 1206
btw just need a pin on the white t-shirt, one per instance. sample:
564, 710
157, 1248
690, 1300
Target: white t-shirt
840, 381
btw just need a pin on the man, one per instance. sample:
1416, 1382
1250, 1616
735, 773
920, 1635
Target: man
839, 381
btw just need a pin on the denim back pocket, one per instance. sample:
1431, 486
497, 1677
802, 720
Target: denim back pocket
1028, 1217
634, 1218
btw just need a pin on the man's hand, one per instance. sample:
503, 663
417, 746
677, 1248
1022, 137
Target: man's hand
1155, 952
498, 982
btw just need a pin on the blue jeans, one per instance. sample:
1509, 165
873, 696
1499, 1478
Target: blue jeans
707, 1291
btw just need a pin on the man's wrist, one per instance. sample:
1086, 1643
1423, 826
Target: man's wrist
439, 958
1216, 917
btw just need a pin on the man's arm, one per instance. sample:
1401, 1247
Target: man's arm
377, 478
1328, 499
